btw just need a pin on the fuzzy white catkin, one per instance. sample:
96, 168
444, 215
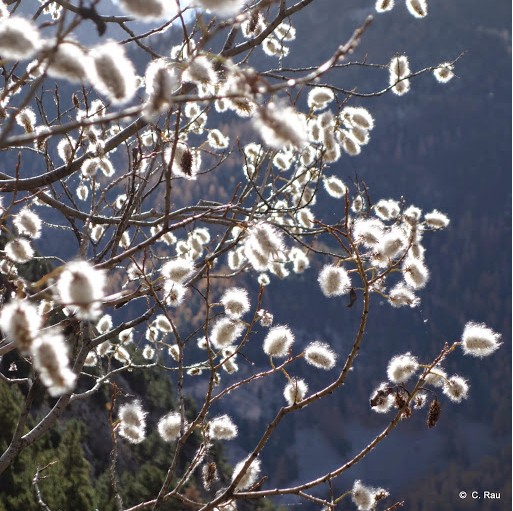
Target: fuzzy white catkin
456, 388
149, 10
334, 281
169, 426
295, 391
20, 322
415, 273
417, 8
50, 358
115, 74
444, 72
436, 377
19, 38
320, 97
222, 428
225, 332
235, 302
27, 223
68, 61
402, 367
221, 7
478, 340
19, 250
363, 496
279, 126
104, 324
384, 5
278, 341
320, 355
81, 285
249, 477
401, 296
436, 220
382, 401
133, 414
178, 270
335, 187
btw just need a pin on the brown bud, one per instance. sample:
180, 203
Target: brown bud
434, 413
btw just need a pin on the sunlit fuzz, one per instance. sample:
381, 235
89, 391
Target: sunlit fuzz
436, 377
285, 32
50, 359
161, 80
19, 38
402, 296
20, 322
249, 477
456, 388
254, 25
415, 273
186, 162
163, 324
178, 270
229, 365
399, 67
200, 70
306, 218
91, 359
387, 209
278, 341
357, 116
66, 149
221, 7
90, 167
295, 391
444, 72
148, 352
384, 5
149, 10
173, 293
349, 143
358, 204
393, 243
417, 8
169, 426
27, 223
216, 140
26, 118
281, 125
266, 239
300, 260
334, 281
368, 231
121, 355
478, 340
81, 285
320, 355
235, 302
104, 348
320, 97
97, 232
363, 496
382, 399
402, 367
225, 332
222, 428
104, 324
115, 74
266, 318
412, 214
133, 422
19, 250
68, 60
273, 47
436, 220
